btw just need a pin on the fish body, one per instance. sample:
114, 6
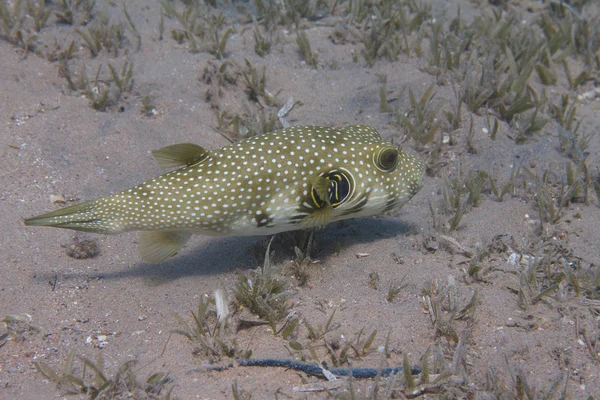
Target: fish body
295, 178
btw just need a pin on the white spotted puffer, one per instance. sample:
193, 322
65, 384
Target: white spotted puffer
294, 178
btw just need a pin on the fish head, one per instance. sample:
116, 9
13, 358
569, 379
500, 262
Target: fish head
369, 177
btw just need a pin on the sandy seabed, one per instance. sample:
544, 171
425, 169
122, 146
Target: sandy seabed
55, 146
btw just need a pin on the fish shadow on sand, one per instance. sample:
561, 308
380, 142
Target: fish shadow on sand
221, 255
225, 254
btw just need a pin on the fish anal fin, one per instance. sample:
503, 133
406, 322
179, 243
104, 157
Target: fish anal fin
177, 155
156, 246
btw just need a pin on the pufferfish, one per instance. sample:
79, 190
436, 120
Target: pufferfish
294, 178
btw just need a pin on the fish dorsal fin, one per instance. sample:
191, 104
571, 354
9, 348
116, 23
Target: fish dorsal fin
177, 155
156, 246
365, 130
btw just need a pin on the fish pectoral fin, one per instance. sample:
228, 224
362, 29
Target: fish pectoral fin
317, 218
156, 246
322, 187
177, 155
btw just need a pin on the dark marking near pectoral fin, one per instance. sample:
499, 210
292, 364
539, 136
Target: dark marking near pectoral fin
262, 219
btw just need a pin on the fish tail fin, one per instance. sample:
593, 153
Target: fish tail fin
90, 216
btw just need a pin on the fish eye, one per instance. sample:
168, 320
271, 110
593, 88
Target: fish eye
387, 159
340, 187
